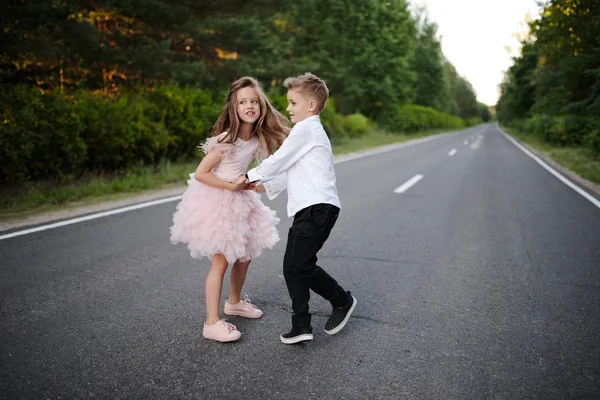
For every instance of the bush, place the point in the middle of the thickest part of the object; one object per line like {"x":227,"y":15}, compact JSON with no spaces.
{"x":186,"y":114}
{"x":473,"y":121}
{"x":53,"y":136}
{"x":576,"y":128}
{"x":333,"y":122}
{"x":117,"y":132}
{"x":566,"y":130}
{"x":414,"y":118}
{"x":40,"y":136}
{"x":592,"y":137}
{"x":556,"y":132}
{"x":540,"y":124}
{"x":356,"y":125}
{"x":279,"y":102}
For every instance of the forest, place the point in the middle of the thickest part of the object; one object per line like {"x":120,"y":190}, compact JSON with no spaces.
{"x":97,"y":86}
{"x":552,"y":90}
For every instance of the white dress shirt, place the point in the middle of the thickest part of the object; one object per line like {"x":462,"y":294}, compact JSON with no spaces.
{"x":305,"y":163}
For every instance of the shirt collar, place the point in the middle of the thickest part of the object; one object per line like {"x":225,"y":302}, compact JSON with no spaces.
{"x":311,"y":118}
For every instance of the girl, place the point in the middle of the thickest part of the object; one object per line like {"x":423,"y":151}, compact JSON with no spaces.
{"x":216,"y":217}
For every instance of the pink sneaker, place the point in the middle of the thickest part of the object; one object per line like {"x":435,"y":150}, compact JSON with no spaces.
{"x":221,"y":332}
{"x":243,"y":309}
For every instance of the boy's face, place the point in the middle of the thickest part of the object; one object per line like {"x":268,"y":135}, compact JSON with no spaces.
{"x":299,"y":106}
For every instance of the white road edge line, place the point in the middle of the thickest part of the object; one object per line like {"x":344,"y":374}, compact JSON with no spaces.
{"x":452,"y":152}
{"x":406,"y":185}
{"x":89,"y":217}
{"x":556,"y":174}
{"x":338,"y":159}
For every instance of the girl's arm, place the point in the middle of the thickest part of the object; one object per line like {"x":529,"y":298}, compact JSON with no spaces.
{"x":203,"y":173}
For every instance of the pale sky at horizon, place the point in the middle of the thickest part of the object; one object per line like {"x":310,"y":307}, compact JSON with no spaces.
{"x":475,"y":34}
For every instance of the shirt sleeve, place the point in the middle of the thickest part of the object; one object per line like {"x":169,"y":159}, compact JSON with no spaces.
{"x":294,"y":147}
{"x":275,"y":186}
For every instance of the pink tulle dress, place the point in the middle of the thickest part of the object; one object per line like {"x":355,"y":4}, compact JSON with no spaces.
{"x":218,"y":221}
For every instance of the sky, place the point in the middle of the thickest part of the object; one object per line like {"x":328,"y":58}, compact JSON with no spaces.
{"x":475,"y":35}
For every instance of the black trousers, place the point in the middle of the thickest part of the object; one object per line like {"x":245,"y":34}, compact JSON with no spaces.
{"x":309,"y":231}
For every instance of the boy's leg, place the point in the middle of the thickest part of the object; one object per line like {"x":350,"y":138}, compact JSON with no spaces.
{"x":325,"y":216}
{"x":309,"y":231}
{"x":297,"y":287}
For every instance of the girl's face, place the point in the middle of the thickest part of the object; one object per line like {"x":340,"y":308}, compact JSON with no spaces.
{"x":248,"y":106}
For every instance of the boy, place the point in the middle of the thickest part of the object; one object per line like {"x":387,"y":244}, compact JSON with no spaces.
{"x":305,"y":161}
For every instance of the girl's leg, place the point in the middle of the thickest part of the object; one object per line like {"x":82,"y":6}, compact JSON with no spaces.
{"x":233,"y":306}
{"x":236,"y":280}
{"x":214,"y":284}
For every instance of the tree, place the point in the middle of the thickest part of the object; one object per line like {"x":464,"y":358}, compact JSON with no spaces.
{"x":484,"y":112}
{"x":432,"y":84}
{"x":464,"y":101}
{"x":362,"y":48}
{"x":518,"y":88}
{"x":104,"y":44}
{"x":568,"y":42}
{"x":558,"y":71}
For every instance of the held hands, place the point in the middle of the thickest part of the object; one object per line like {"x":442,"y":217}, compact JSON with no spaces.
{"x":249,"y":185}
{"x":239,"y":184}
{"x":257,"y":187}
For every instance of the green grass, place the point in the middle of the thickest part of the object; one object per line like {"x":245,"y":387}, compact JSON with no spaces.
{"x":579,"y":160}
{"x":39,"y":197}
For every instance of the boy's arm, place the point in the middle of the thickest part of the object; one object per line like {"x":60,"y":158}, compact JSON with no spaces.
{"x":275,"y":185}
{"x":292,"y":149}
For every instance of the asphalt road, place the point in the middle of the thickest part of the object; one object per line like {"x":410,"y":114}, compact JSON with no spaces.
{"x":479,"y":281}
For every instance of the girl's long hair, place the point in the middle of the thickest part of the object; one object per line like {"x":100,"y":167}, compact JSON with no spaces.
{"x":271,"y":128}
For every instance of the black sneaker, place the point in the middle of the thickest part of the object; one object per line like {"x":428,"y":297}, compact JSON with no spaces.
{"x":339,"y":316}
{"x":297,"y":335}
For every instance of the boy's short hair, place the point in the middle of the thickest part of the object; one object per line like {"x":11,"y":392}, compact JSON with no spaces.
{"x":309,"y":85}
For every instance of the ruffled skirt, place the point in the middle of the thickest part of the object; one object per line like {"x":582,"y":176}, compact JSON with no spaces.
{"x":218,"y":221}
